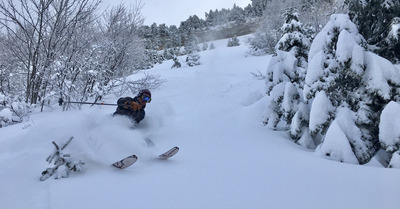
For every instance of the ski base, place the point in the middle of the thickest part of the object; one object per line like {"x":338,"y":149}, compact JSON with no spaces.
{"x":126,"y":162}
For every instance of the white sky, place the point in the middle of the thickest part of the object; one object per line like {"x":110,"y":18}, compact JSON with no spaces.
{"x":172,"y":12}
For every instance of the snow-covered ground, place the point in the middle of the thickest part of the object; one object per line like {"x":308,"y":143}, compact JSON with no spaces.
{"x":228,"y":159}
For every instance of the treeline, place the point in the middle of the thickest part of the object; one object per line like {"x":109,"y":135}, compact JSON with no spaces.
{"x":161,"y":36}
{"x":258,"y":16}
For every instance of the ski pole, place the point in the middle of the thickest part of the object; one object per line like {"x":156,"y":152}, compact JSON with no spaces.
{"x":91,"y":103}
{"x":61,"y":102}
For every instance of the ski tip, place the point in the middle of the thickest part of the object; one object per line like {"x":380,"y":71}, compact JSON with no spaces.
{"x":170,"y":153}
{"x":126,"y":162}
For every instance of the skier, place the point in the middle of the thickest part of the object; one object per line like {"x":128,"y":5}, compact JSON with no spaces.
{"x":134,"y":107}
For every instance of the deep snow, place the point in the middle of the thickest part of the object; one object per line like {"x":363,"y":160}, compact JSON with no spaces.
{"x":228,"y":159}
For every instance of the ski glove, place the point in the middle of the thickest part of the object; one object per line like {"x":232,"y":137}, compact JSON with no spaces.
{"x":134,"y":106}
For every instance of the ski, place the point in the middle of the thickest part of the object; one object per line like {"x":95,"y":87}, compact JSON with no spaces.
{"x":170,"y":153}
{"x":130,"y":160}
{"x":126,"y":162}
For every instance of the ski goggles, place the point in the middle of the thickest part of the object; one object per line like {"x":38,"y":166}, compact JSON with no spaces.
{"x":146,"y":98}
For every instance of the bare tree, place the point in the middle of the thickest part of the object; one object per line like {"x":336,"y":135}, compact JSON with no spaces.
{"x":37,"y":31}
{"x":316,"y":13}
{"x":120,"y":50}
{"x":124,"y":48}
{"x":61,"y":48}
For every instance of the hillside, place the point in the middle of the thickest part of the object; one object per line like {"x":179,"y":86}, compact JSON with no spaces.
{"x":228,"y":159}
{"x":229,"y":30}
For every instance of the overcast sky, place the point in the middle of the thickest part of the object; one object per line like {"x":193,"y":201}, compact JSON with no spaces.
{"x":172,"y":12}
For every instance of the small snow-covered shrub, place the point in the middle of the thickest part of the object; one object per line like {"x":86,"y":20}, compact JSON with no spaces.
{"x":12,"y":110}
{"x":59,"y":160}
{"x":177,"y":63}
{"x":193,"y":59}
{"x":233,"y":42}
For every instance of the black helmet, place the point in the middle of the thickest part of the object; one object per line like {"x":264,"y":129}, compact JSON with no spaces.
{"x":145,"y":98}
{"x":144,"y":91}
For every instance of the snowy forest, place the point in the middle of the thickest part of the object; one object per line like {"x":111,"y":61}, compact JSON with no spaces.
{"x":334,"y":68}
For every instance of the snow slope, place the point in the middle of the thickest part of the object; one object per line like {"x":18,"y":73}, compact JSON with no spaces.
{"x":228,"y":159}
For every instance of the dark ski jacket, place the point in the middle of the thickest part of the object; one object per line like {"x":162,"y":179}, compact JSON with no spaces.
{"x":124,"y":109}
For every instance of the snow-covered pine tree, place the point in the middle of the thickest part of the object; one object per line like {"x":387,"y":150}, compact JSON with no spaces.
{"x":212,"y":46}
{"x":285,"y":80}
{"x":191,"y":44}
{"x":192,"y":49}
{"x":193,"y":59}
{"x":151,"y":54}
{"x":204,"y":46}
{"x":376,"y":30}
{"x":176,"y":64}
{"x":236,"y":14}
{"x":210,"y":18}
{"x":357,"y":84}
{"x":294,"y":37}
{"x":267,"y":36}
{"x":233,"y":42}
{"x":258,"y":7}
{"x":167,"y":54}
{"x":175,"y":39}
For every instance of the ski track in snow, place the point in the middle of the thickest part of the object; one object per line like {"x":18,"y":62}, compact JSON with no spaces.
{"x":228,"y":159}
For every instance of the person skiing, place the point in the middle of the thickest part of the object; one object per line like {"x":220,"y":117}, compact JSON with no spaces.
{"x":134,"y":107}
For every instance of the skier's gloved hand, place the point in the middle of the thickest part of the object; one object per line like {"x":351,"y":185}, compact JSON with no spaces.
{"x":135,"y":106}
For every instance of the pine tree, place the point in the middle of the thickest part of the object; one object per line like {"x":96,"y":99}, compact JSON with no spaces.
{"x":236,"y":14}
{"x":192,"y":59}
{"x":392,"y":42}
{"x":342,"y":68}
{"x":376,"y":30}
{"x":285,"y":80}
{"x":294,"y":37}
{"x":212,"y":46}
{"x":192,"y":49}
{"x":233,"y":42}
{"x":205,"y":46}
{"x":191,"y":44}
{"x":175,"y":39}
{"x":176,"y":64}
{"x":258,"y":7}
{"x":167,"y":54}
{"x":210,"y":18}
